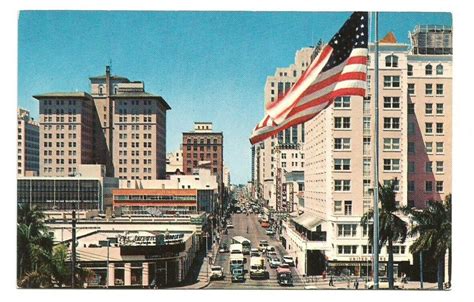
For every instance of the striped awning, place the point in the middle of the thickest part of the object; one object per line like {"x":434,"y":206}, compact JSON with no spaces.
{"x":308,"y":221}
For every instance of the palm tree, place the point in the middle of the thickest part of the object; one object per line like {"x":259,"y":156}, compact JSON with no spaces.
{"x":34,"y":248}
{"x":432,"y":225}
{"x":391,"y":227}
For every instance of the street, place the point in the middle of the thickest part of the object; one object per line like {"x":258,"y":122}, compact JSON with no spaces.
{"x":255,"y":233}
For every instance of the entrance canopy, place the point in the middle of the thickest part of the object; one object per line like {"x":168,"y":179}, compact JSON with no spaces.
{"x":308,"y":221}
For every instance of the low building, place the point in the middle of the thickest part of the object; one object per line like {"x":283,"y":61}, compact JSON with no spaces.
{"x":140,"y":252}
{"x":88,"y":190}
{"x":202,"y":181}
{"x":174,"y":163}
{"x":153,"y":201}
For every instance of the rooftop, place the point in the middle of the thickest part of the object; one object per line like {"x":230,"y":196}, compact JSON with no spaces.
{"x":78,"y":94}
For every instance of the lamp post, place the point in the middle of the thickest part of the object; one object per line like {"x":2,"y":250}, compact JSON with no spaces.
{"x":107,"y":271}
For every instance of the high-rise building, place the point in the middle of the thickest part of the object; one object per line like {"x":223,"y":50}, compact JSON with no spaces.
{"x":415,"y":131}
{"x":28,"y":144}
{"x":204,"y":149}
{"x":119,"y":125}
{"x":130,"y":127}
{"x":66,"y":131}
{"x":275,"y":87}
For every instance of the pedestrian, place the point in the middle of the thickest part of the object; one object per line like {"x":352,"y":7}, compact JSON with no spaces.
{"x":324,"y":275}
{"x":356,"y":284}
{"x":296,"y":262}
{"x":331,"y":281}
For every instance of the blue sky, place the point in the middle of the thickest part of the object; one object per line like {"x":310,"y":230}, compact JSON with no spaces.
{"x":209,"y":66}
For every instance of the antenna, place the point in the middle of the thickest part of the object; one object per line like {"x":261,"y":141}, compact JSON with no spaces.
{"x":110,"y":64}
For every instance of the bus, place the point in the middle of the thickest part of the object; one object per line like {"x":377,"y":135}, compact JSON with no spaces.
{"x":236,"y":261}
{"x":246,"y":244}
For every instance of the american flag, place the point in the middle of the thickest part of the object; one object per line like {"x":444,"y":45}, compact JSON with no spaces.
{"x":338,"y":70}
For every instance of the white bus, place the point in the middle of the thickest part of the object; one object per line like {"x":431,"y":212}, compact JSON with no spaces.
{"x":236,"y":248}
{"x":246,"y":244}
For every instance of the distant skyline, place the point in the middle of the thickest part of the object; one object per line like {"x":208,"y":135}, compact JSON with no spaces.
{"x":208,"y":66}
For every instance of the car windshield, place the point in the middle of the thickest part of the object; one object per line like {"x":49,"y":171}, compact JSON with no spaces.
{"x":216,"y":268}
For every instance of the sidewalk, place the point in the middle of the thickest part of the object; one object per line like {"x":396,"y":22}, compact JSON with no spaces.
{"x":319,"y":283}
{"x":203,"y":277}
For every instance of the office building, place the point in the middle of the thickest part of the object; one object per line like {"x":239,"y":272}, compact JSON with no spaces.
{"x":27,"y":144}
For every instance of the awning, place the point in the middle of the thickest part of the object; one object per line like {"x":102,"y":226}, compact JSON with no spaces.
{"x":308,"y":221}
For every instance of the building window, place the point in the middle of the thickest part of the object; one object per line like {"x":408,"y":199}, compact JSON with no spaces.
{"x":411,"y":108}
{"x":439,"y":89}
{"x":428,"y":108}
{"x":428,"y":166}
{"x":429,"y":147}
{"x":342,"y":164}
{"x":391,"y":61}
{"x":411,"y":88}
{"x":337,"y":206}
{"x":347,"y":249}
{"x":342,"y":143}
{"x":440,"y":147}
{"x":428,"y":69}
{"x":439,"y":166}
{"x":428,"y":186}
{"x":347,"y":230}
{"x":440,"y":109}
{"x":391,"y":81}
{"x":342,"y":102}
{"x":411,"y":167}
{"x":391,"y":165}
{"x":428,"y":128}
{"x":391,"y":144}
{"x":439,"y":186}
{"x":391,"y":102}
{"x":411,"y":128}
{"x":347,"y":207}
{"x":428,"y":89}
{"x":439,"y":69}
{"x":366,"y":121}
{"x":366,"y":249}
{"x":391,"y":123}
{"x":411,"y":147}
{"x":409,"y":70}
{"x":439,"y":128}
{"x":342,"y":122}
{"x":342,"y":185}
{"x":411,"y":186}
{"x":394,"y":182}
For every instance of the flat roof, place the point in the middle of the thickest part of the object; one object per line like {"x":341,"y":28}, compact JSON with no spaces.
{"x":142,"y":95}
{"x":79,"y":94}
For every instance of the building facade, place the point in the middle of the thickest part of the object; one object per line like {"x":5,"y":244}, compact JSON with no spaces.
{"x":415,"y":131}
{"x":174,"y":163}
{"x":28,"y":144}
{"x":66,"y":132}
{"x":119,"y":125}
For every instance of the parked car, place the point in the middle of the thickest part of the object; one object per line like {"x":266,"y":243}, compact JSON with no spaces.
{"x":288,"y":260}
{"x":223,"y":248}
{"x":217,"y":272}
{"x":274,"y":262}
{"x":383,"y":284}
{"x":270,"y":232}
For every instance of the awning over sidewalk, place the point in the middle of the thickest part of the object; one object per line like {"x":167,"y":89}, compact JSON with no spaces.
{"x":308,"y":221}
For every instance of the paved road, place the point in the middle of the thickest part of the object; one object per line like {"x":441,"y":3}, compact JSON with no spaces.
{"x":255,"y":234}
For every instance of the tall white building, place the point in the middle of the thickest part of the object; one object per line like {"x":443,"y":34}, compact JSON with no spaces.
{"x":414,"y":117}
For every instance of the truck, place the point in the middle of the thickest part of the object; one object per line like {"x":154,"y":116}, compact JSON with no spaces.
{"x":258,"y":269}
{"x":284,"y":276}
{"x":246,"y":244}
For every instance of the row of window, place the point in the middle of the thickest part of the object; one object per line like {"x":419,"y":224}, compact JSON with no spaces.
{"x":135,"y":153}
{"x":439,"y":186}
{"x":59,"y":161}
{"x":392,"y":61}
{"x":134,"y":144}
{"x":59,"y":102}
{"x":59,"y":144}
{"x":134,"y":161}
{"x":135,"y":127}
{"x":59,"y":170}
{"x":366,"y":249}
{"x":134,"y":170}
{"x":201,"y":141}
{"x":135,"y":135}
{"x":201,"y":148}
{"x":58,"y":127}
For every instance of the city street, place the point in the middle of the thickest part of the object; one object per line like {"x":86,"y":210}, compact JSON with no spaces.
{"x":255,"y":234}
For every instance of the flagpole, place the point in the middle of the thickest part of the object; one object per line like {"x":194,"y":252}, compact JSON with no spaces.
{"x":375,"y":245}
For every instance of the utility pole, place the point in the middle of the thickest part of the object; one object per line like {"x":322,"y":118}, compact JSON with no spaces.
{"x":73,"y":248}
{"x":376,"y":158}
{"x":107,"y":271}
{"x":421,"y":269}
